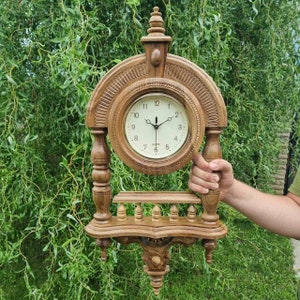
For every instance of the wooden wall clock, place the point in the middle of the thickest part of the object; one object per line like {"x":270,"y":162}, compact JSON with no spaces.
{"x":156,"y":108}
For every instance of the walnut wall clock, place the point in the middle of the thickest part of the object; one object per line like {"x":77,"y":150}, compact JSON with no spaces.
{"x":155,"y":108}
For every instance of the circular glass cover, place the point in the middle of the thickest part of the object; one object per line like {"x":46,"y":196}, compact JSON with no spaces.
{"x":156,"y":125}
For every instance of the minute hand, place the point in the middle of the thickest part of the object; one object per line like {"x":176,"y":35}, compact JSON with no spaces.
{"x":169,"y":119}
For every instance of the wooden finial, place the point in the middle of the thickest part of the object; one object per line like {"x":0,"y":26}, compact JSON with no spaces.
{"x":156,"y":31}
{"x":156,"y":23}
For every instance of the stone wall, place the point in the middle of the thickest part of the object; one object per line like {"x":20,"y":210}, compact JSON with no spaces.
{"x":280,"y":176}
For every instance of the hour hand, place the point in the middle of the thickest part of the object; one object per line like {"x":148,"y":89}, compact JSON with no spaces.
{"x":149,"y":122}
{"x":154,"y":125}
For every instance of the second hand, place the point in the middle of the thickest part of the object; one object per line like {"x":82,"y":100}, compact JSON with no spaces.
{"x":156,"y":127}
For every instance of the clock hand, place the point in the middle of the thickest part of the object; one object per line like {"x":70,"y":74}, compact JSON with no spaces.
{"x":156,"y":126}
{"x":156,"y":143}
{"x":168,"y":119}
{"x":149,"y":122}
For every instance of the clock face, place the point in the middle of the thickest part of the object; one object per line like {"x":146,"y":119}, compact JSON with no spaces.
{"x":156,"y":125}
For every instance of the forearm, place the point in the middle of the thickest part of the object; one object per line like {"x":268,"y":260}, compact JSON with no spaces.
{"x":279,"y":214}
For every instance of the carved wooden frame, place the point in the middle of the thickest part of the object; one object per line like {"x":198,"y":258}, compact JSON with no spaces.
{"x":116,"y":122}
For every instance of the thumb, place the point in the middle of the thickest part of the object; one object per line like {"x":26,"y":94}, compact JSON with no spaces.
{"x":220,"y":165}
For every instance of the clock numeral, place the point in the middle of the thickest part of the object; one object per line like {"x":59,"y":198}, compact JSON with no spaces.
{"x":145,"y":106}
{"x":176,"y":138}
{"x":167,"y":147}
{"x":136,"y":138}
{"x":132,"y":126}
{"x":176,"y":114}
{"x":136,"y":115}
{"x":180,"y":127}
{"x":156,"y":102}
{"x":145,"y":146}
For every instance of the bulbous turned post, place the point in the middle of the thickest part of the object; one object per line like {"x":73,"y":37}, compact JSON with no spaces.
{"x":156,"y":45}
{"x":103,"y":244}
{"x":210,"y":201}
{"x":209,"y":246}
{"x":100,"y":157}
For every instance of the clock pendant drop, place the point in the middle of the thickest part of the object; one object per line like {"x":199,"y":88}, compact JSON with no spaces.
{"x":156,"y":125}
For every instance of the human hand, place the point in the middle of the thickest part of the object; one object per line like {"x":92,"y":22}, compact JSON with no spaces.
{"x":205,"y":176}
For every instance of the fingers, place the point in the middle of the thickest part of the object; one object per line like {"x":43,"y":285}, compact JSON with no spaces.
{"x":207,"y":176}
{"x":202,"y":178}
{"x":201,"y":181}
{"x":202,"y":188}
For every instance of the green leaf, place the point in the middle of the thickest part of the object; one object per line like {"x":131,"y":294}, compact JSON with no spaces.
{"x":10,"y":80}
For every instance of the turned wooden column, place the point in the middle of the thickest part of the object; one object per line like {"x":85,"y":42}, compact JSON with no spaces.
{"x":100,"y":157}
{"x":210,"y":201}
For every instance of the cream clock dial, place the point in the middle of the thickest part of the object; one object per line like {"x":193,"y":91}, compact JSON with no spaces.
{"x":156,"y":125}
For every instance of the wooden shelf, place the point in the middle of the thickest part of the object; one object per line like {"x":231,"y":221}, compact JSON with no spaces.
{"x":156,"y":229}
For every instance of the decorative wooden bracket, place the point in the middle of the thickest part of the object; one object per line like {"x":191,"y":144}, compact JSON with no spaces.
{"x":156,"y":255}
{"x":155,"y":71}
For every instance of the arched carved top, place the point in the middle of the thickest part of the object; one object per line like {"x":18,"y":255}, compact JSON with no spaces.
{"x":178,"y":69}
{"x":201,"y":85}
{"x":120,"y":76}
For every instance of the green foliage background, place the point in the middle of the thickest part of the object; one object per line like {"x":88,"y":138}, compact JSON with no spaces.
{"x":52,"y":54}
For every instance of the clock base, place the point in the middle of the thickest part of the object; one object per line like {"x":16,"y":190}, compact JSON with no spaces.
{"x":156,"y":233}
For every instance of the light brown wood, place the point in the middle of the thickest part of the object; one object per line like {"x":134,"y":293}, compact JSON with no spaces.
{"x":128,"y":226}
{"x":210,"y":201}
{"x":156,"y":197}
{"x":100,"y":157}
{"x":177,"y":69}
{"x":155,"y":71}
